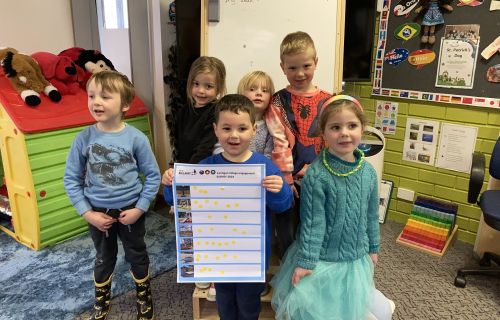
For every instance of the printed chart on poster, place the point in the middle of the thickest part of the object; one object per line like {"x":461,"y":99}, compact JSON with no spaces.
{"x":453,"y":58}
{"x":220,"y":223}
{"x":420,"y":143}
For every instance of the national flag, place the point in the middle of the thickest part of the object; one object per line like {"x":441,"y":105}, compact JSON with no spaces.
{"x":384,"y":14}
{"x":404,"y":94}
{"x":414,"y":95}
{"x":379,"y":63}
{"x":425,"y":96}
{"x":395,"y":93}
{"x":445,"y":99}
{"x":376,"y":90}
{"x":386,"y":92}
{"x":456,"y":99}
{"x":467,"y":100}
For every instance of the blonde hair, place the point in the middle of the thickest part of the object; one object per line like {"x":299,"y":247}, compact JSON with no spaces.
{"x":256,"y":77}
{"x":113,"y":81}
{"x":338,"y":105}
{"x":296,"y":42}
{"x":211,"y":65}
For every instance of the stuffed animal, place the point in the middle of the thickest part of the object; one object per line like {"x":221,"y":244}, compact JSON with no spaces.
{"x":60,"y":71}
{"x":90,"y":61}
{"x":26,"y":77}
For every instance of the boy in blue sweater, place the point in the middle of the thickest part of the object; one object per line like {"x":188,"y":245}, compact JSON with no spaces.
{"x":235,"y":128}
{"x":103,"y":183}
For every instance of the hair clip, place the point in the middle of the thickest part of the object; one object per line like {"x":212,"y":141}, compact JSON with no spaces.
{"x":343,"y":97}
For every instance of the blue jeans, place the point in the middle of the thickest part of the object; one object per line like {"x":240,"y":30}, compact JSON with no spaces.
{"x":238,"y":301}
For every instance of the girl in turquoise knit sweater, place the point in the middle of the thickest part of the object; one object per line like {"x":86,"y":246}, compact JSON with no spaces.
{"x":328,"y":271}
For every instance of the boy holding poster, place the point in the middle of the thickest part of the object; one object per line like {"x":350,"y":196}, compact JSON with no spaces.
{"x":235,"y":127}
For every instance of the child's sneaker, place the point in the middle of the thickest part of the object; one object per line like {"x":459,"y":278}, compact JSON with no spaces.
{"x":202,"y":285}
{"x":211,"y":293}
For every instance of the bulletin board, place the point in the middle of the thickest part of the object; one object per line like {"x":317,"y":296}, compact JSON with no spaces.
{"x":248,"y":34}
{"x":410,"y":81}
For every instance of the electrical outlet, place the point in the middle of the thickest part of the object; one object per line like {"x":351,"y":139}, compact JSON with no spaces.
{"x":406,"y":194}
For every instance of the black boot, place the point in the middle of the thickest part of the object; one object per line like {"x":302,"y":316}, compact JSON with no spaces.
{"x":144,"y":302}
{"x":102,"y":300}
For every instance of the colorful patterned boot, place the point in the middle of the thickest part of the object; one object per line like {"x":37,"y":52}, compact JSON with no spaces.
{"x":144,"y":302}
{"x":102,"y":300}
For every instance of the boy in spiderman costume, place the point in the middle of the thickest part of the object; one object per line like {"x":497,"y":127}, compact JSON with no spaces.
{"x":292,"y":119}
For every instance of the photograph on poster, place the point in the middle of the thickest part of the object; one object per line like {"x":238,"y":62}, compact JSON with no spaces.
{"x":420,"y":140}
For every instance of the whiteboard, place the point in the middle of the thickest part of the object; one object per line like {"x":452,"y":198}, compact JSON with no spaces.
{"x":249,"y":33}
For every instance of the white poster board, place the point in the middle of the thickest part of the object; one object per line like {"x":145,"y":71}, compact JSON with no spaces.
{"x":220,"y":222}
{"x":249,"y":32}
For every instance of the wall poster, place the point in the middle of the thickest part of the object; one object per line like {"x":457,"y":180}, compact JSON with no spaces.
{"x":220,"y":223}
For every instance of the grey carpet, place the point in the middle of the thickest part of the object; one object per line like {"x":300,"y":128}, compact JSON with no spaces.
{"x":420,"y":284}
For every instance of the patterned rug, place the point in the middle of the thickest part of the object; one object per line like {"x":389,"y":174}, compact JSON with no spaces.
{"x":56,"y":282}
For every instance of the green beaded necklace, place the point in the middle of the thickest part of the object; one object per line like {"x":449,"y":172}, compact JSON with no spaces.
{"x":362,"y":158}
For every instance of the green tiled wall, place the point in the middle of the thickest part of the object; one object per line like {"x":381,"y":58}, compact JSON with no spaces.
{"x":428,"y":180}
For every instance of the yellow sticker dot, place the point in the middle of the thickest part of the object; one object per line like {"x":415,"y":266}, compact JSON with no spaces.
{"x":226,"y":243}
{"x":243,"y":232}
{"x":200,"y":230}
{"x":217,"y":258}
{"x":228,"y":205}
{"x":198,"y":255}
{"x":233,"y":242}
{"x":206,"y":256}
{"x":198,"y":243}
{"x":213,"y":243}
{"x":221,"y":188}
{"x":226,"y":216}
{"x":200,"y":206}
{"x":212,"y":229}
{"x":210,"y":269}
{"x":235,"y":229}
{"x":236,"y":205}
{"x":219,"y":244}
{"x":235,"y":257}
{"x":210,"y":216}
{"x":197,"y":259}
{"x":207,"y":243}
{"x":207,"y":201}
{"x":195,"y":201}
{"x":225,"y":255}
{"x":216,"y":203}
{"x":221,"y":272}
{"x":195,"y":188}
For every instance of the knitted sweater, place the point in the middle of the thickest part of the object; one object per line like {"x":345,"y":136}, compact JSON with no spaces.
{"x":292,"y":118}
{"x":263,"y":141}
{"x":194,"y":133}
{"x":339,"y":215}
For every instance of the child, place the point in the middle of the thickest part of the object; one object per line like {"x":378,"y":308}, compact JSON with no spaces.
{"x":291,"y":120}
{"x":328,"y":271}
{"x":103,"y":183}
{"x":258,"y":87}
{"x":193,"y":135}
{"x":235,"y":127}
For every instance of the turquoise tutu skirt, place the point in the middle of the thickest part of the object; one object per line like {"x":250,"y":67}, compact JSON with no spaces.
{"x":334,"y":290}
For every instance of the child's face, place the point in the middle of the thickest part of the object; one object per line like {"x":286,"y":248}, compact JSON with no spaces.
{"x":259,"y":95}
{"x":106,"y":107}
{"x":299,"y":70}
{"x":342,"y":134}
{"x":204,"y":89}
{"x":235,"y":131}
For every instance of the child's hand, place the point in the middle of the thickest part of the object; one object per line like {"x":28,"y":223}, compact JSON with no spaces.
{"x":168,"y":177}
{"x":100,"y":220}
{"x":298,"y":274}
{"x":273,"y":183}
{"x":374,"y":257}
{"x":130,"y":216}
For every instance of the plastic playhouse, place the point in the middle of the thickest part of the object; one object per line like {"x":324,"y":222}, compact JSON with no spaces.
{"x":34,"y":142}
